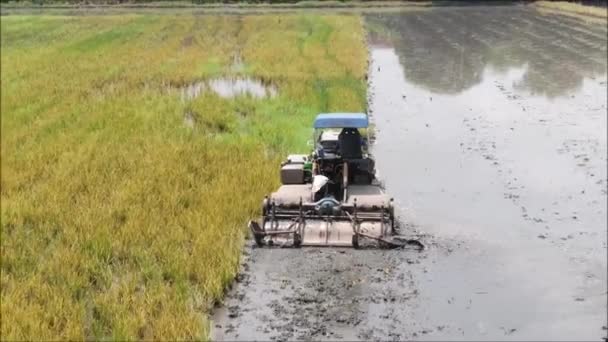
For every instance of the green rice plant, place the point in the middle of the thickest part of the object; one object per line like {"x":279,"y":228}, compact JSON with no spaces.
{"x":124,"y":202}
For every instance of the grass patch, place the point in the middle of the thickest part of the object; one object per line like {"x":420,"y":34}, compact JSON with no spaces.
{"x":118,"y":220}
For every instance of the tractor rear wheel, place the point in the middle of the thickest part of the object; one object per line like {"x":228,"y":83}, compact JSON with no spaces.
{"x":355,"y":241}
{"x":297,"y":240}
{"x":259,"y":240}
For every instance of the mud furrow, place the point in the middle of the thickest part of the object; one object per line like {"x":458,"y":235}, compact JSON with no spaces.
{"x":568,"y":23}
{"x":593,"y":46}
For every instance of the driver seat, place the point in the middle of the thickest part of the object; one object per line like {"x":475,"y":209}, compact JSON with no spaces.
{"x":349,"y":144}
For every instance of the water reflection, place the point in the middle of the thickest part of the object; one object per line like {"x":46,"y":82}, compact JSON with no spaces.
{"x":446,"y":50}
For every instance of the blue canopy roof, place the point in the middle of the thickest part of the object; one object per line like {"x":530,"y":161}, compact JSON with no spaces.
{"x":341,"y":120}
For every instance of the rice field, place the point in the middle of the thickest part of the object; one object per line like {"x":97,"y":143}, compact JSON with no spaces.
{"x":124,"y":196}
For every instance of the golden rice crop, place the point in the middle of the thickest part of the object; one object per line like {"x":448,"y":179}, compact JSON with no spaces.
{"x":118,"y":219}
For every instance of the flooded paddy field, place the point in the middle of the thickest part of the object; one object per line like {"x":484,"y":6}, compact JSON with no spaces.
{"x":491,"y":136}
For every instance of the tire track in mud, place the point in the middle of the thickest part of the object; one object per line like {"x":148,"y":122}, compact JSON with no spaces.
{"x":551,"y":41}
{"x":319,"y":293}
{"x":567,"y":43}
{"x":565,"y":22}
{"x":534,"y":45}
{"x":552,"y":29}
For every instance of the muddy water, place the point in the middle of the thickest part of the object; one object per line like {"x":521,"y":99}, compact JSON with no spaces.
{"x":492,"y":138}
{"x":229,"y":87}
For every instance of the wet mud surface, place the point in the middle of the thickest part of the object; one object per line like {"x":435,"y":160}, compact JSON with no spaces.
{"x":491,"y":137}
